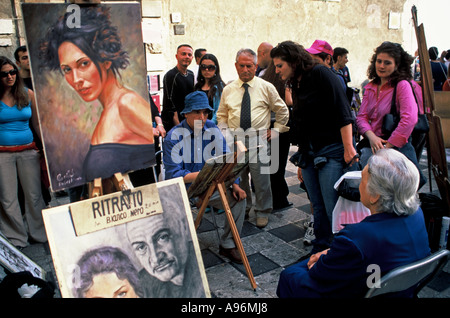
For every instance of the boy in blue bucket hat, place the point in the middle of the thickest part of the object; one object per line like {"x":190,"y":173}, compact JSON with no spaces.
{"x":186,"y":148}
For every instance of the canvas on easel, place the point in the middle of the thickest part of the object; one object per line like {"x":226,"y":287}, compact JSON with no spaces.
{"x":213,"y":167}
{"x":89,"y":77}
{"x":218,"y":174}
{"x":437,"y":161}
{"x":148,"y":246}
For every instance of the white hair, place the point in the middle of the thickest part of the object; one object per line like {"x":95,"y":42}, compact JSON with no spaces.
{"x":396,"y":179}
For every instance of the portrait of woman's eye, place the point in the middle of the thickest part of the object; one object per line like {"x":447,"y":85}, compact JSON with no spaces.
{"x":84,"y":63}
{"x":122,"y":294}
{"x":65,"y":69}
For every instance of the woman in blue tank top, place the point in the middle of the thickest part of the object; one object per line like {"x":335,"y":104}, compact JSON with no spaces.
{"x":19,"y":160}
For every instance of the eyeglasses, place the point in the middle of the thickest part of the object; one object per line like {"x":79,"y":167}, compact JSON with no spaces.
{"x":11,"y":72}
{"x":208,"y":67}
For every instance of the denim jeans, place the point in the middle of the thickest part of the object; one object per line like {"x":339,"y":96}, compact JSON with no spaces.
{"x":319,"y":182}
{"x":23,"y":166}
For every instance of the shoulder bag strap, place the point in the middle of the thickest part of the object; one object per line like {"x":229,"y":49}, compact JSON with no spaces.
{"x":394,"y":108}
{"x":415,"y":97}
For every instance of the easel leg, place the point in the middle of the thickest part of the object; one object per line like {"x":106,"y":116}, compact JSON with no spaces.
{"x":204,"y":204}
{"x":118,"y":182}
{"x":234,"y":231}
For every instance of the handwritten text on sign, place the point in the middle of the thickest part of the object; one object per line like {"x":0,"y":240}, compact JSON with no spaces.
{"x":114,"y":209}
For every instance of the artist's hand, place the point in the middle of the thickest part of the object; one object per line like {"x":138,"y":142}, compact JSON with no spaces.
{"x":190,"y":177}
{"x":315,"y":257}
{"x":238,"y":193}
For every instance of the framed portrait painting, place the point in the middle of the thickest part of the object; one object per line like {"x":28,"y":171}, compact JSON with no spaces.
{"x":89,"y":77}
{"x":153,"y":256}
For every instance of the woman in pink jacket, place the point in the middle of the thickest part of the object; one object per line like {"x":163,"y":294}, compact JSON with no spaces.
{"x":390,"y":67}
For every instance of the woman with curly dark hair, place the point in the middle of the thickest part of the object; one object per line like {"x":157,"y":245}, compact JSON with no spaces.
{"x":90,"y":58}
{"x":390,"y":67}
{"x":321,"y":127}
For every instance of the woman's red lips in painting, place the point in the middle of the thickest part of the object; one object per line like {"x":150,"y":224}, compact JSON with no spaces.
{"x":84,"y":91}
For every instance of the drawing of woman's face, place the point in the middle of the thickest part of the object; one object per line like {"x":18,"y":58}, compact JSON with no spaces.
{"x":81,"y":72}
{"x":108,"y":285}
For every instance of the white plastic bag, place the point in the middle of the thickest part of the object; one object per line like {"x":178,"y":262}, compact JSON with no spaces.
{"x":347,"y":211}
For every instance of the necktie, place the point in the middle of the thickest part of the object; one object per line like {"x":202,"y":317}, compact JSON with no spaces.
{"x":246,"y":119}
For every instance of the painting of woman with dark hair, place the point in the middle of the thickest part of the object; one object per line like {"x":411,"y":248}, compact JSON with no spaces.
{"x":91,"y":57}
{"x":106,"y":272}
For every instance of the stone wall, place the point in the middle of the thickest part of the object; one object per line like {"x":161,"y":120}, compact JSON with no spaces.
{"x":8,"y":29}
{"x":223,"y":27}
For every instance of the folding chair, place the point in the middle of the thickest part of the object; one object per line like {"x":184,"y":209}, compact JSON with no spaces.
{"x":418,"y":274}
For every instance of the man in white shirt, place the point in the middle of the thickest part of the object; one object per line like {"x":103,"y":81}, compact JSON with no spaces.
{"x":264,"y":99}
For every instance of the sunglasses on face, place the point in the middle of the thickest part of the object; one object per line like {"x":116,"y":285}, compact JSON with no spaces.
{"x":208,"y":67}
{"x":5,"y":74}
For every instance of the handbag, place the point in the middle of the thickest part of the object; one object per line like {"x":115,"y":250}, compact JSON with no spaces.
{"x":391,"y":120}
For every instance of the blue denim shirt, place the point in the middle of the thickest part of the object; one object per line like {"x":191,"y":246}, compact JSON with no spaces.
{"x":185,"y":152}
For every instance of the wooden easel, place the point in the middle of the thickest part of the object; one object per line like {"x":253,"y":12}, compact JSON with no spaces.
{"x":219,"y":184}
{"x":121,"y":183}
{"x":437,"y":161}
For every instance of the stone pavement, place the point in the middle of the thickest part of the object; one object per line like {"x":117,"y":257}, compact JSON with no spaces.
{"x":269,"y":250}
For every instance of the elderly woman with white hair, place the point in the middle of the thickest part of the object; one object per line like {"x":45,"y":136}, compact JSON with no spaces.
{"x":393,"y":235}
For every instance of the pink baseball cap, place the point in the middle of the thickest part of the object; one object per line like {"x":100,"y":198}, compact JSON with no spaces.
{"x":320,"y":46}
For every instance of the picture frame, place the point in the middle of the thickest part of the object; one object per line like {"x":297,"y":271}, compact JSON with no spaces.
{"x":85,"y":133}
{"x":178,"y":273}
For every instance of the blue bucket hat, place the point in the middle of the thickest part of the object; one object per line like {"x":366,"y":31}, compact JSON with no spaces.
{"x":196,"y":101}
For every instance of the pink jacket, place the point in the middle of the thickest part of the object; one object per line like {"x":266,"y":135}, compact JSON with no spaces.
{"x":373,"y":109}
